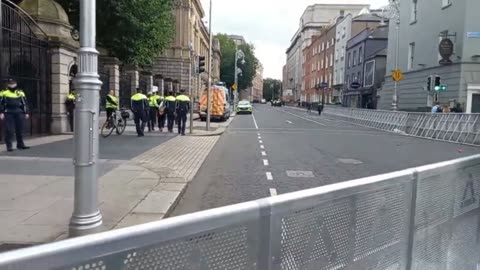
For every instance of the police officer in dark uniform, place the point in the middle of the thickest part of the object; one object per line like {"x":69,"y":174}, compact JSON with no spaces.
{"x":139,"y":107}
{"x":170,"y":108}
{"x":13,"y":110}
{"x":183,"y":107}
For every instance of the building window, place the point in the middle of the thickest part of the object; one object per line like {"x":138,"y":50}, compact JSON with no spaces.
{"x":321,"y":63}
{"x":359,"y":78}
{"x":369,"y":73}
{"x":411,"y":55}
{"x":360,"y":55}
{"x":323,"y":46}
{"x":446,"y":3}
{"x":354,"y":58}
{"x":347,"y":81}
{"x":331,"y":59}
{"x":349,"y":61}
{"x":328,"y":44}
{"x":413,"y":14}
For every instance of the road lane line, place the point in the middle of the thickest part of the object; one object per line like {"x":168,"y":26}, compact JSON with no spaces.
{"x":301,"y":117}
{"x":273,"y":192}
{"x":264,"y":153}
{"x":269,"y":176}
{"x":290,"y":122}
{"x":265,"y":162}
{"x":254,"y":121}
{"x":261,"y":146}
{"x":259,"y":137}
{"x":258,"y":134}
{"x":260,"y":141}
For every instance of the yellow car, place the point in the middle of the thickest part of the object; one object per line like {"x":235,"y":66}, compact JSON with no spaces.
{"x":244,"y":106}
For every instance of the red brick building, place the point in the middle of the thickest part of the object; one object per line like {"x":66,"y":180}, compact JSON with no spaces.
{"x":318,"y":68}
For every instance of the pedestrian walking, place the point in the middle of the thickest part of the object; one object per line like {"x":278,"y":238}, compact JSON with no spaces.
{"x":13,"y":110}
{"x":153,"y":110}
{"x":111,"y":103}
{"x":139,"y":107}
{"x":183,"y":108}
{"x":170,"y":108}
{"x":70,"y":106}
{"x":320,"y":108}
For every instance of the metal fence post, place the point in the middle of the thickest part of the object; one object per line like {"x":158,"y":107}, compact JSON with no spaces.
{"x":86,"y":217}
{"x":411,"y":225}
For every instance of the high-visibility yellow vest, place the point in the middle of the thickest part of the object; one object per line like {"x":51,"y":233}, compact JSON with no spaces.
{"x":110,"y":105}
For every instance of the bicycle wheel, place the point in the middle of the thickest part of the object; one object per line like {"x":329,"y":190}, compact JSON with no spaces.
{"x":121,"y":125}
{"x":107,"y":129}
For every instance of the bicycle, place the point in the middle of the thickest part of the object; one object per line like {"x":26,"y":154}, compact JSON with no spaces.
{"x":115,"y":123}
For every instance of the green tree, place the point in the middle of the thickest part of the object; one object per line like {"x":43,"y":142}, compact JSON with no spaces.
{"x":135,"y":31}
{"x":227,"y":66}
{"x":272,"y":88}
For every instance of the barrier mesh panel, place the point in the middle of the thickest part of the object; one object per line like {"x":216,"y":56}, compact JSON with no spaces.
{"x":367,"y":229}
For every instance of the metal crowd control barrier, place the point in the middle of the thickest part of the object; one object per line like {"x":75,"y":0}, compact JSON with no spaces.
{"x":422,"y":218}
{"x":450,"y":127}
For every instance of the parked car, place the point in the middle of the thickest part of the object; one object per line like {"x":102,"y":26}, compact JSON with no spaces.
{"x":244,"y":106}
{"x":264,"y":101}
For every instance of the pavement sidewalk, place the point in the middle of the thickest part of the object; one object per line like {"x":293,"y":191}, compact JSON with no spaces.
{"x":36,"y":208}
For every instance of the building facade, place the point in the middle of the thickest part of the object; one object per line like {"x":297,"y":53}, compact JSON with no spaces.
{"x":365,"y":67}
{"x":190,"y":33}
{"x":423,"y":24}
{"x":314,"y":19}
{"x":256,"y":91}
{"x":347,"y":27}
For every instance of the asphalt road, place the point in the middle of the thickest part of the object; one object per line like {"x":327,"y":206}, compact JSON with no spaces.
{"x":280,"y":150}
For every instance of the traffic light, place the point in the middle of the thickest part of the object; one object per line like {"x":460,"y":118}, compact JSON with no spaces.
{"x":438,"y":82}
{"x":429,"y":83}
{"x":201,"y":64}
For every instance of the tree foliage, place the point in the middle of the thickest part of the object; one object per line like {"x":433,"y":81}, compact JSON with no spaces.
{"x":132,"y":30}
{"x":227,"y":66}
{"x":272,"y":88}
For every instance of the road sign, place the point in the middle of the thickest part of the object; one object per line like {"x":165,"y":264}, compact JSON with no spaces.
{"x":473,"y":34}
{"x":323,"y":85}
{"x":397,"y":75}
{"x":355,"y":85}
{"x":234,"y":87}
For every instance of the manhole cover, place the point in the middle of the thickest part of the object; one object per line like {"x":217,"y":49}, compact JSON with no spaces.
{"x":349,"y":161}
{"x":300,"y":174}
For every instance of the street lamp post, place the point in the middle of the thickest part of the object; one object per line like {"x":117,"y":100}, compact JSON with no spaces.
{"x":238,"y":55}
{"x":393,"y":13}
{"x":209,"y":68}
{"x":86,"y":217}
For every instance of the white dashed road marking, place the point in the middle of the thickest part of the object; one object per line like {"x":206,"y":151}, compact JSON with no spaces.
{"x":258,"y":134}
{"x":265,"y":162}
{"x":254,"y":121}
{"x":269,"y":176}
{"x":260,"y":141}
{"x":301,"y":117}
{"x":261,"y":146}
{"x":273,"y":192}
{"x":264,"y":153}
{"x":290,"y":122}
{"x":259,"y":137}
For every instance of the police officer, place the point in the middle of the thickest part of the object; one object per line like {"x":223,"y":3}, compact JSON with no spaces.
{"x":139,"y":107}
{"x":170,"y":108}
{"x":111,"y":103}
{"x":183,"y":107}
{"x":153,"y":105}
{"x":13,"y":109}
{"x":70,"y":106}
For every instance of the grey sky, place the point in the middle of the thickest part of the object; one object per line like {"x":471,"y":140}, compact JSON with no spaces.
{"x":268,"y":24}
